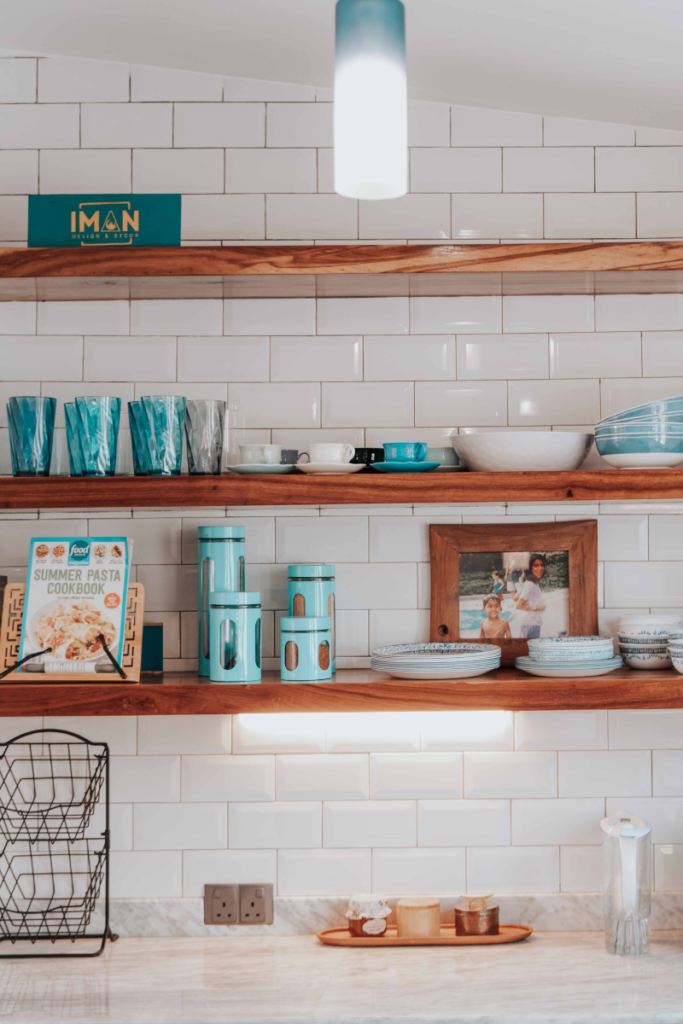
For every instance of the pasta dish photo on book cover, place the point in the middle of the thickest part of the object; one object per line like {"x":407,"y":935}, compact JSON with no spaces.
{"x":76,"y":591}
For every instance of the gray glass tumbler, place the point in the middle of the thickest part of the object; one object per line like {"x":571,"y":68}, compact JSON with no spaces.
{"x":204,"y":425}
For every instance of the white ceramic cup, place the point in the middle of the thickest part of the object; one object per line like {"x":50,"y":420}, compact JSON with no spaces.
{"x":443,"y":455}
{"x":329,"y":452}
{"x":260,"y":454}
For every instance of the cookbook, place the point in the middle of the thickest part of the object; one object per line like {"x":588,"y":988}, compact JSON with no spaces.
{"x":75,"y":598}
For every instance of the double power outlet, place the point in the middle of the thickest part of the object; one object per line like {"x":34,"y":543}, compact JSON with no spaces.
{"x":238,"y":904}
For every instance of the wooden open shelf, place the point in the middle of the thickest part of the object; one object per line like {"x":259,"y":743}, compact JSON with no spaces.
{"x":111,"y":272}
{"x":351,"y":690}
{"x":355,"y":489}
{"x":354,"y":258}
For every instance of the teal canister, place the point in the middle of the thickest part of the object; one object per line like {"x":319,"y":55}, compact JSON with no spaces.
{"x":235,"y":636}
{"x":305,"y":649}
{"x":221,"y":567}
{"x":310,"y":592}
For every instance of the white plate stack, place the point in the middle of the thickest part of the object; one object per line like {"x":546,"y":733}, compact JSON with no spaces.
{"x":436,"y":661}
{"x":566,"y":657}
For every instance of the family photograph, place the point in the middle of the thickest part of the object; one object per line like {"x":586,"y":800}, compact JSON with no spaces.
{"x":507,"y":595}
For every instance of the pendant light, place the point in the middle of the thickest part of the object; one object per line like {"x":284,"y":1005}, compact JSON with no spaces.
{"x":370,"y":100}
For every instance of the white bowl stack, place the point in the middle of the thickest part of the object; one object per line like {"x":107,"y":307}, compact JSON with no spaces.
{"x":436,"y":661}
{"x":676,"y":649}
{"x":563,"y":657}
{"x":644,"y":640}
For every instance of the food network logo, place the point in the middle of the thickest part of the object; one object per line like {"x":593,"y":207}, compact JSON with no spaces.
{"x":79,"y":552}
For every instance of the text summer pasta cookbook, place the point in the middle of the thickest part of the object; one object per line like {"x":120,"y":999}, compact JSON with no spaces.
{"x":76,"y":591}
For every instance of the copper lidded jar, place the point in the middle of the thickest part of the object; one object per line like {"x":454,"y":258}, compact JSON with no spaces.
{"x":476,"y":916}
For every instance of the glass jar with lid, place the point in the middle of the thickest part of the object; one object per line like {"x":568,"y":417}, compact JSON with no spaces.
{"x":221,"y":567}
{"x":367,"y":915}
{"x":310,"y":592}
{"x":305,"y":649}
{"x":235,"y":637}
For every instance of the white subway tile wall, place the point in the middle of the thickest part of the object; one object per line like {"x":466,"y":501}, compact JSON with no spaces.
{"x":332,"y":804}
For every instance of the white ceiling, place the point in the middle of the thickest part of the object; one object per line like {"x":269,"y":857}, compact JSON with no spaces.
{"x":612,"y":60}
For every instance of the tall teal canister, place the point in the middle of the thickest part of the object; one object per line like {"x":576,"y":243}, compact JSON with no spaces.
{"x":310,"y":592}
{"x":235,"y":636}
{"x":305,"y":648}
{"x":221,"y":566}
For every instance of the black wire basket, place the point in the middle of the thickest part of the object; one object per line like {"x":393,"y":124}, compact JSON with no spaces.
{"x":49,"y":890}
{"x":54,"y":854}
{"x":49,"y":790}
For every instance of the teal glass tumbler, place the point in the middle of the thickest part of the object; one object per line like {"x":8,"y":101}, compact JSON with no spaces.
{"x":235,"y":637}
{"x":98,"y":419}
{"x":73,"y":439}
{"x":138,"y":439}
{"x":31,"y":422}
{"x":305,"y":649}
{"x":164,"y":417}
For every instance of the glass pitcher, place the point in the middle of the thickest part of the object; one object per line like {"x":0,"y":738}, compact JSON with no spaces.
{"x":627,"y":882}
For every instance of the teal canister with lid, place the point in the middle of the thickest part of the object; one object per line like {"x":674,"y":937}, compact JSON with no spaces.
{"x":310,"y":592}
{"x":220,"y":567}
{"x":235,"y":637}
{"x":305,"y":648}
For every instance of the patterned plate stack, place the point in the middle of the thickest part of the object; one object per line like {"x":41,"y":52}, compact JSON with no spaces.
{"x":570,"y":656}
{"x":436,"y":661}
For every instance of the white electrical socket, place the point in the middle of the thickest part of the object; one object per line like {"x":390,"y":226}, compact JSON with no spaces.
{"x":256,"y":904}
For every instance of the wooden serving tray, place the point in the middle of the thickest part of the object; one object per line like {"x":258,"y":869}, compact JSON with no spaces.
{"x":508,"y":933}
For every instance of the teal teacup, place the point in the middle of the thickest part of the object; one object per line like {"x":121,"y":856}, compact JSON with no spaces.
{"x":405,"y":451}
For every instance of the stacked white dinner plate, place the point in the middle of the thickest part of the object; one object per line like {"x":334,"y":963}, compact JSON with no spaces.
{"x":436,"y":661}
{"x":565,"y":657}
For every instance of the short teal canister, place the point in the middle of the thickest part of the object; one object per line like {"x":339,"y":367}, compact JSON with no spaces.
{"x":235,"y":637}
{"x":221,"y":567}
{"x":305,"y":649}
{"x":310,"y":592}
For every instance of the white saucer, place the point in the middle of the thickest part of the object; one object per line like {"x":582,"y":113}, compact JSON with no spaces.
{"x":330,"y":468}
{"x":261,"y":468}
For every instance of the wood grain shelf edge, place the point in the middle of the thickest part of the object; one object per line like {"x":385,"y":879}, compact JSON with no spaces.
{"x":351,"y":690}
{"x":538,"y":257}
{"x":356,"y":489}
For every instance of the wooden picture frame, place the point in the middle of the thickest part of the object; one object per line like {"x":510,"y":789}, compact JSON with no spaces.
{"x":447,"y":543}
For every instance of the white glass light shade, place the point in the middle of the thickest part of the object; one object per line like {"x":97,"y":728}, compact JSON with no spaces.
{"x":370,"y":100}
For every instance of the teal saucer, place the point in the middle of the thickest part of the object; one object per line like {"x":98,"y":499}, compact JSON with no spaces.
{"x":405,"y":467}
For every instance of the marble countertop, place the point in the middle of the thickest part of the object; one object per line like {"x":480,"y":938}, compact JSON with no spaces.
{"x":551,"y":978}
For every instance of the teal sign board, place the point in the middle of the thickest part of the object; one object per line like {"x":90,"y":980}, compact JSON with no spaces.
{"x":96,"y":220}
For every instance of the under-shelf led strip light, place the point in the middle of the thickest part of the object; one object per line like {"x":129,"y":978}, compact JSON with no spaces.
{"x":370,"y":100}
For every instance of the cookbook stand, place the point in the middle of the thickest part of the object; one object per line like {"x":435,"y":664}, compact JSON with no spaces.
{"x":130,"y":653}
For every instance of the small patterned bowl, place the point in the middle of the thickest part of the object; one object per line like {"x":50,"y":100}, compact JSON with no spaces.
{"x":643,"y":658}
{"x":678,"y":663}
{"x":645,"y":641}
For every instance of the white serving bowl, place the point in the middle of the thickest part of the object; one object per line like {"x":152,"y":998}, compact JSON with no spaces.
{"x":677,"y":664}
{"x":516,"y":451}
